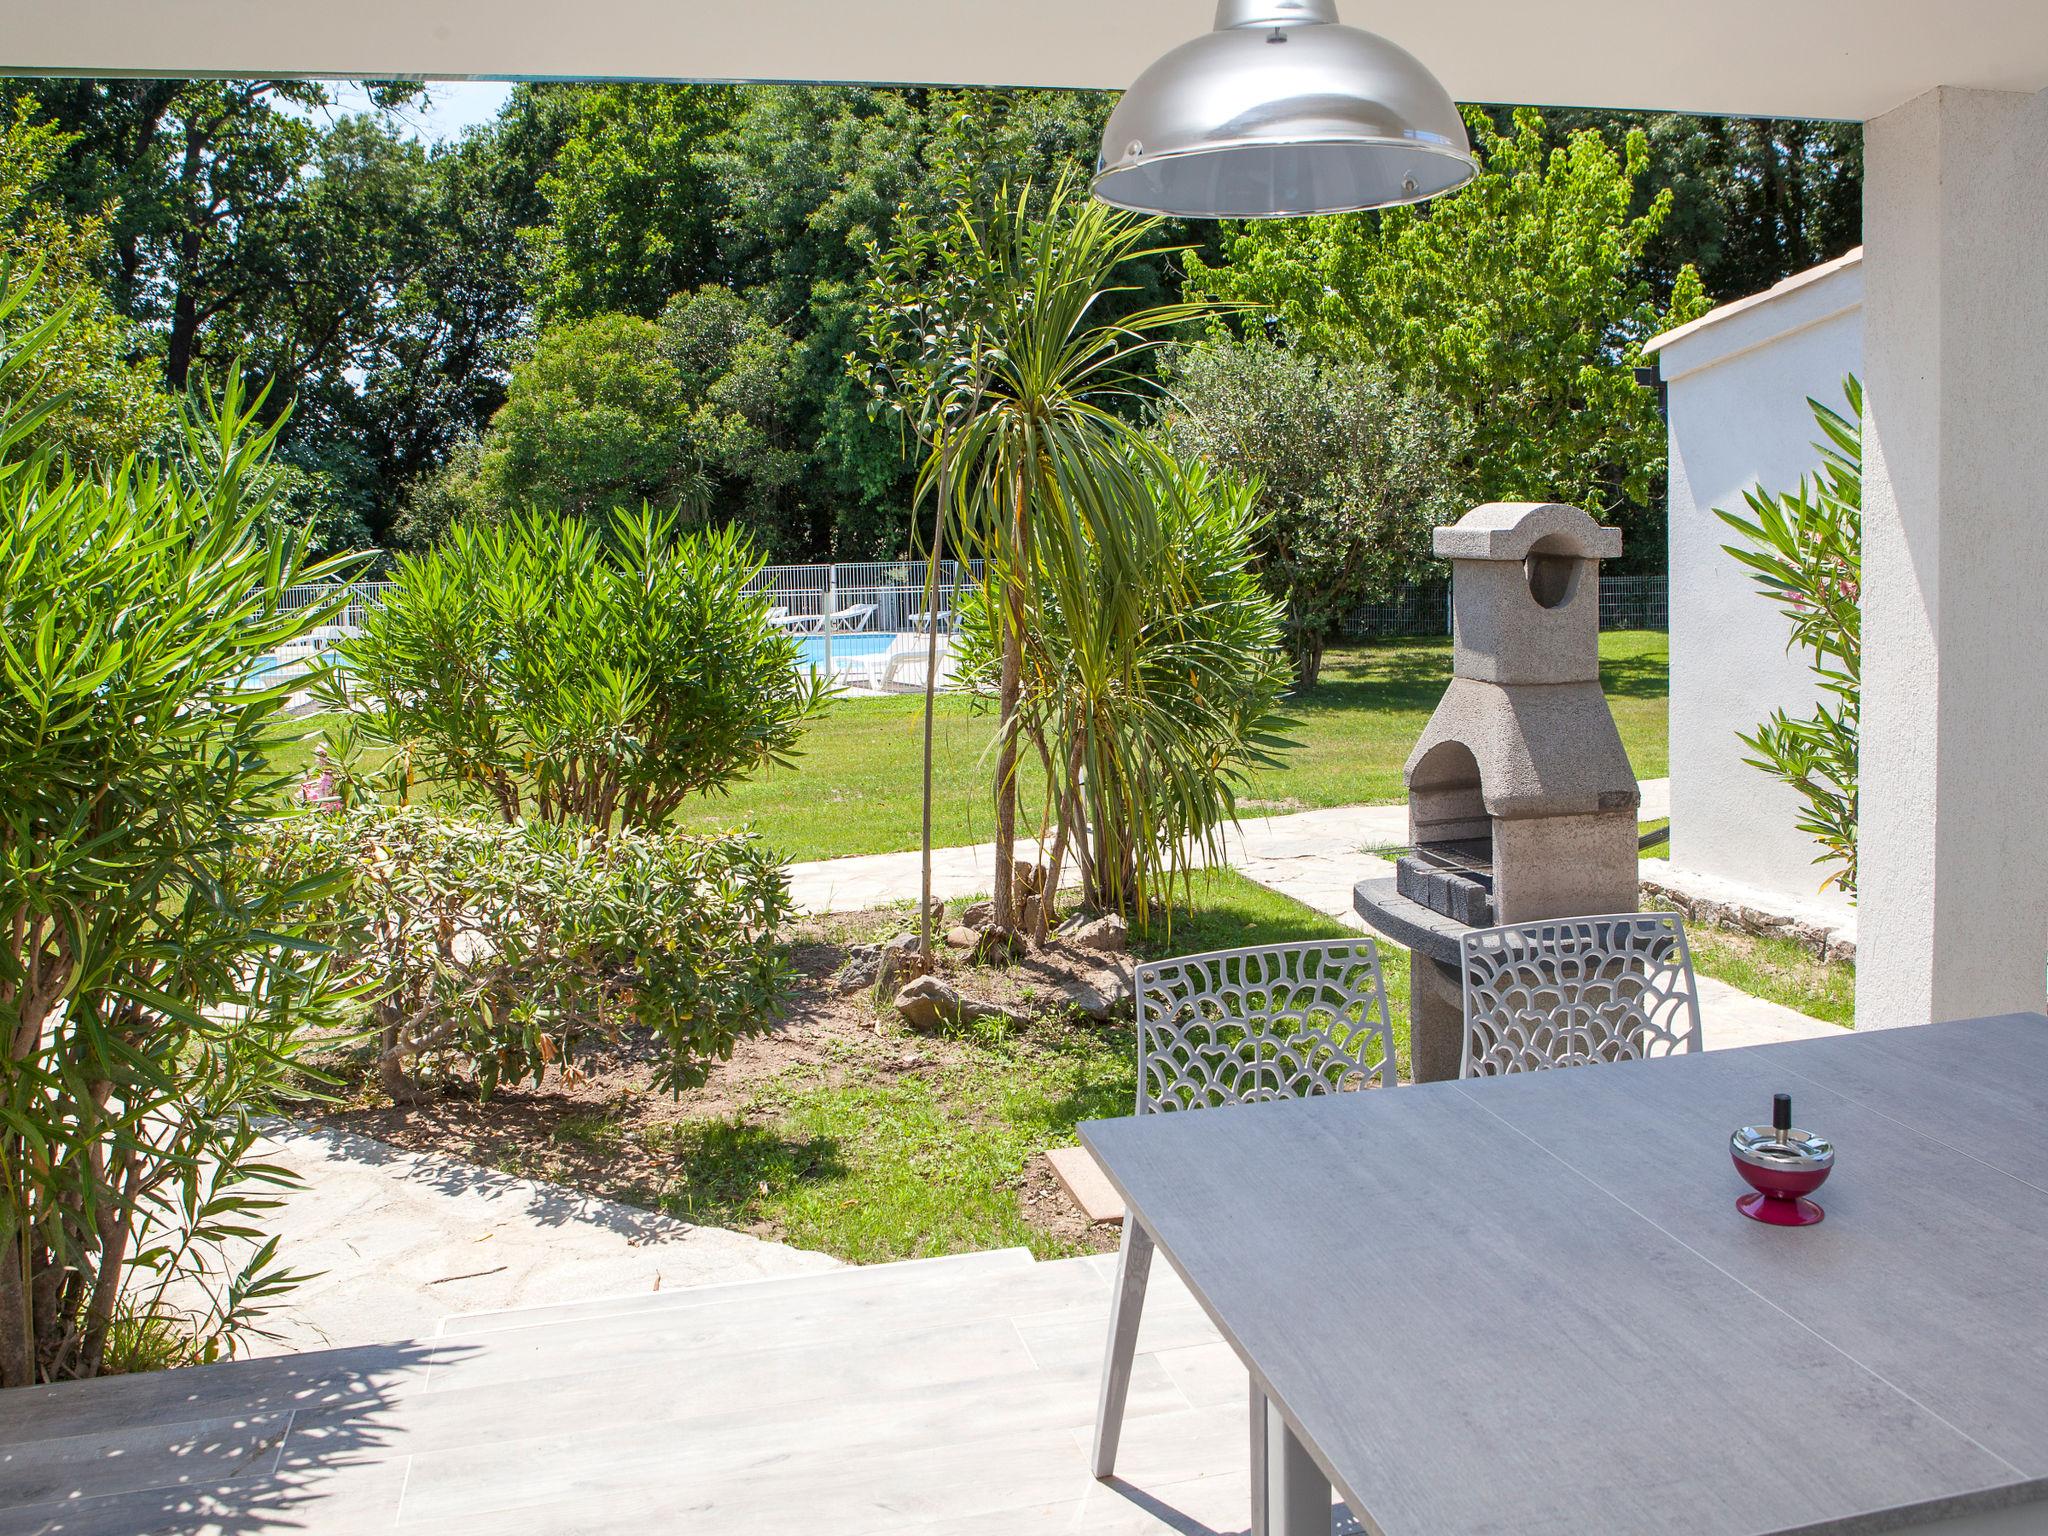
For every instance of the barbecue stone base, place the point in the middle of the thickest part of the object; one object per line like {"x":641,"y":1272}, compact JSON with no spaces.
{"x":1436,"y":1019}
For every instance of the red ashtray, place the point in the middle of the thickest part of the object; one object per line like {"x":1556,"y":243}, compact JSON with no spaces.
{"x":1783,"y":1165}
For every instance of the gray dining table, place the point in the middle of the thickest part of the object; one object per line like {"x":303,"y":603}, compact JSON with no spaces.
{"x":1528,"y":1304}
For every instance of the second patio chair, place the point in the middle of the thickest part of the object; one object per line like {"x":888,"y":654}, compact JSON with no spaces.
{"x":1569,"y":991}
{"x":1231,"y":1027}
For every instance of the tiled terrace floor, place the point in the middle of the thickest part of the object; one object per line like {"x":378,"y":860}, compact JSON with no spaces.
{"x":945,"y":1395}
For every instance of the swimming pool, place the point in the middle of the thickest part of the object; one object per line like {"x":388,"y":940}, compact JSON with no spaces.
{"x":810,"y":653}
{"x":845,"y":648}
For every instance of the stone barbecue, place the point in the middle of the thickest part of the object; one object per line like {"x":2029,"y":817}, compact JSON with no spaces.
{"x":1521,"y":801}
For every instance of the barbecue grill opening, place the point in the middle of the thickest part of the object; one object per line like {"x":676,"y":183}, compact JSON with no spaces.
{"x":1552,"y":570}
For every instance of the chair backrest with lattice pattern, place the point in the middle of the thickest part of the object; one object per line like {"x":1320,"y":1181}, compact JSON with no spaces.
{"x":1278,"y":1022}
{"x":1569,"y":991}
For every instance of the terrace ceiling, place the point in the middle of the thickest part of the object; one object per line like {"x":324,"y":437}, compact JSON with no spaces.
{"x":1809,"y":58}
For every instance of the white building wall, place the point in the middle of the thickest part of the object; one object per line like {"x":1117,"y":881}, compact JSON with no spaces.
{"x":1739,"y":380}
{"x":1954,"y":855}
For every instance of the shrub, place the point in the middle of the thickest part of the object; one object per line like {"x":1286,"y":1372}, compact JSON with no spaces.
{"x":573,"y":672}
{"x":1804,"y":551}
{"x":502,"y":948}
{"x":154,"y":983}
{"x":1151,"y":683}
{"x":1353,"y":473}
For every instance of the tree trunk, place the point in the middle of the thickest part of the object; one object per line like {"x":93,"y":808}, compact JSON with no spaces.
{"x":1005,"y":895}
{"x":392,"y":1077}
{"x":183,"y":341}
{"x":931,"y":695}
{"x":17,"y":1329}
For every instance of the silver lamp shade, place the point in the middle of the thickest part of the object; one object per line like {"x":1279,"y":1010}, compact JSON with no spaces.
{"x":1280,"y":112}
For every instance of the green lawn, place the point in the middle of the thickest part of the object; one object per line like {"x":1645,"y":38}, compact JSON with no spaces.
{"x":856,"y":788}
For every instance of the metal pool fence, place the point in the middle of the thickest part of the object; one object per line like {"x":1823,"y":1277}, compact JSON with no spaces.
{"x":1626,"y":602}
{"x":843,"y":611}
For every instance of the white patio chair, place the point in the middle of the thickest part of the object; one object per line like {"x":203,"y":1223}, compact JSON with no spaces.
{"x":1573,"y":990}
{"x":854,"y":616}
{"x":904,"y":668}
{"x":1232,"y":1027}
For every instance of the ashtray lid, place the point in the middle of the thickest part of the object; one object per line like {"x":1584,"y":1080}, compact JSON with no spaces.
{"x":1790,"y":1151}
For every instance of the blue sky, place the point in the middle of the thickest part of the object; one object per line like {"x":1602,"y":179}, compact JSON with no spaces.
{"x":450,"y":107}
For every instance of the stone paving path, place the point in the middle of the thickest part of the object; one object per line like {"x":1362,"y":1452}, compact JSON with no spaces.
{"x":398,"y":1241}
{"x":1313,"y":856}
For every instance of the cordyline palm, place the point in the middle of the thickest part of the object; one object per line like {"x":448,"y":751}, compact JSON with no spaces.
{"x":1039,"y":472}
{"x":1150,"y":693}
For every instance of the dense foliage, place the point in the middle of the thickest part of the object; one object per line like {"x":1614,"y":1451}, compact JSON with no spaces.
{"x":106,"y":401}
{"x":1153,"y":674}
{"x":501,"y":948}
{"x":1522,"y":300}
{"x":565,"y":669}
{"x":390,"y":287}
{"x":155,"y":985}
{"x":1803,"y":549}
{"x":1352,"y":472}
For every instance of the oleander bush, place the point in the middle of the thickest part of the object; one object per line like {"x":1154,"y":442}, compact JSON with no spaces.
{"x":155,"y":983}
{"x":572,"y":670}
{"x":1803,"y":549}
{"x":497,"y":950}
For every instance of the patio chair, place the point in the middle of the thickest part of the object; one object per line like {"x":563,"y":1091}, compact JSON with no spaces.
{"x":853,"y":616}
{"x":1234,"y":1027}
{"x":1565,"y":992}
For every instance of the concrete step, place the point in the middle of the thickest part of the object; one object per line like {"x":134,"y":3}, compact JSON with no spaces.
{"x":799,"y":1312}
{"x":932,"y":1395}
{"x":851,"y":1280}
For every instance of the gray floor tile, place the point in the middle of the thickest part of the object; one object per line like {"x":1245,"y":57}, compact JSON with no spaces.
{"x":194,"y":1454}
{"x":838,"y":1282}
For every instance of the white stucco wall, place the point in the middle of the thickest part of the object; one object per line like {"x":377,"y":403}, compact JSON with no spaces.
{"x":1739,"y":381}
{"x":1954,"y":842}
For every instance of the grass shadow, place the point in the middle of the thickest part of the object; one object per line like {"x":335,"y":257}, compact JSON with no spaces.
{"x":723,"y":1172}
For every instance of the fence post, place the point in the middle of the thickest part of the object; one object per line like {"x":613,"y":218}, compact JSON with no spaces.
{"x":831,"y":607}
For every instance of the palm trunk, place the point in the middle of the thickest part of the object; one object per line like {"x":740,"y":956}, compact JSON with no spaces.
{"x":1005,"y":895}
{"x":931,"y":695}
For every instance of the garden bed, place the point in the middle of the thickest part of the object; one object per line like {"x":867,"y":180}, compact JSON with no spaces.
{"x":839,"y":1129}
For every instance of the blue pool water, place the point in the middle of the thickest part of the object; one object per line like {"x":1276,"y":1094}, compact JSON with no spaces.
{"x":844,"y":649}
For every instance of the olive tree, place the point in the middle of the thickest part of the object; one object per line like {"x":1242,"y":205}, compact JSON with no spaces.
{"x":1353,"y":472}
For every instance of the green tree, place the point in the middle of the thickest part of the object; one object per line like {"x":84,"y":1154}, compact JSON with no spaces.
{"x":743,"y":396}
{"x":593,"y":421}
{"x":1521,"y":300}
{"x":111,"y":401}
{"x":156,"y":986}
{"x":1154,"y":675}
{"x":1352,"y":474}
{"x":1753,"y":199}
{"x":633,"y":211}
{"x":1042,"y":469}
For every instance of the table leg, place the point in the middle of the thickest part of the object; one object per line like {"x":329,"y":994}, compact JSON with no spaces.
{"x":1290,"y":1495}
{"x":1126,"y":1308}
{"x":1258,"y":1426}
